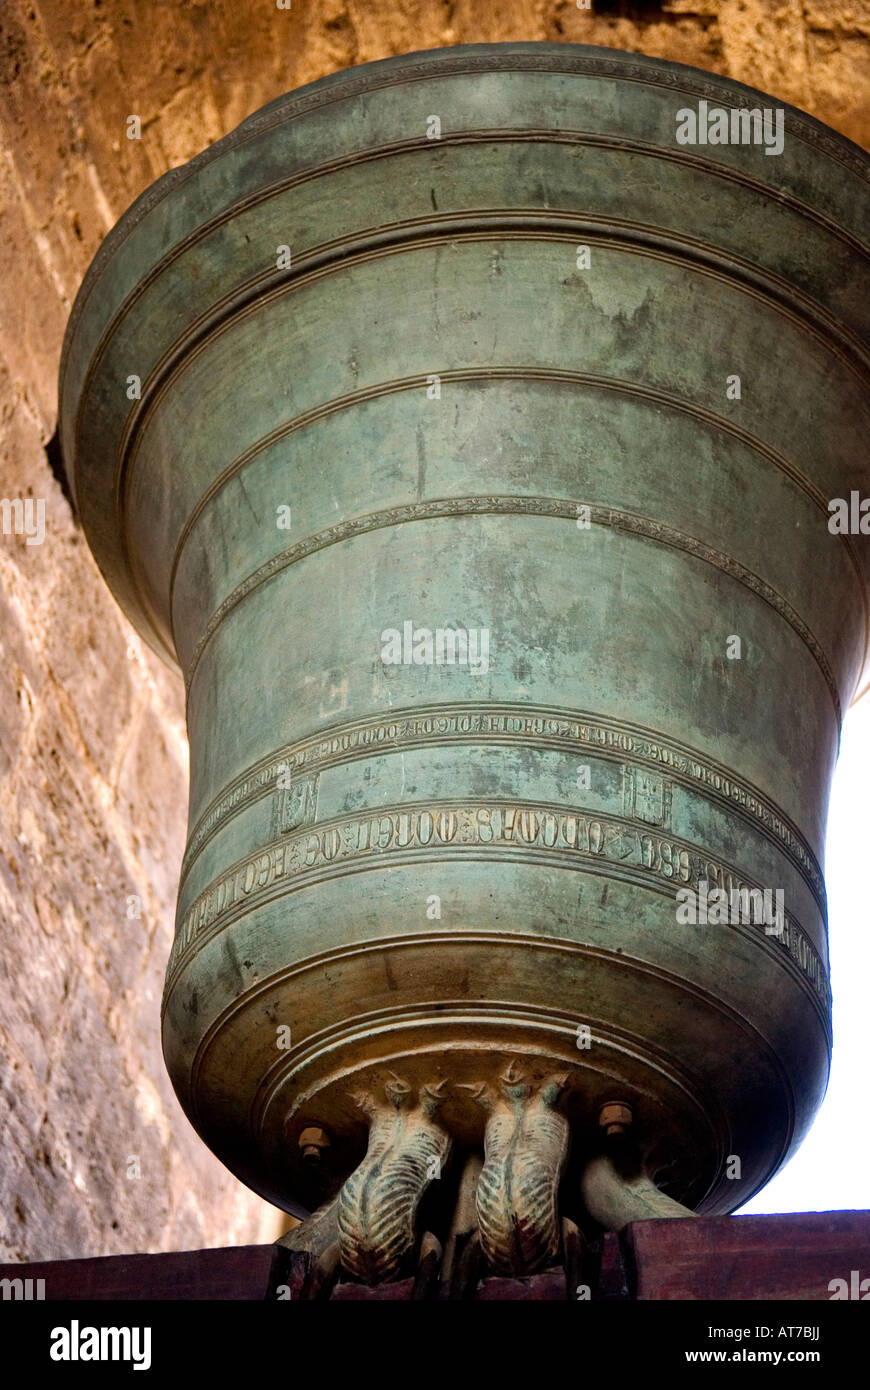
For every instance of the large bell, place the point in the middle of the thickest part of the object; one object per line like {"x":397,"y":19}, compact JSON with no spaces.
{"x":468,"y":427}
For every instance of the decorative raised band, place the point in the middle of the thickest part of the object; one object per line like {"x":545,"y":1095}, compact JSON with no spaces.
{"x":573,"y":60}
{"x":502,"y":505}
{"x":637,"y":390}
{"x":547,"y":223}
{"x":524,"y":832}
{"x":776,"y":293}
{"x":531,"y":726}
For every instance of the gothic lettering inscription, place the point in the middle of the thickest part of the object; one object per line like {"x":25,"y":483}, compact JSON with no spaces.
{"x":534,"y":831}
{"x":535,"y":728}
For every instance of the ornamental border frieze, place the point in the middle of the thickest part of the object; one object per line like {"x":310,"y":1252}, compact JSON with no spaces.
{"x":634,"y":390}
{"x":531,"y":726}
{"x":200,"y":337}
{"x":633,"y":523}
{"x":525,"y":831}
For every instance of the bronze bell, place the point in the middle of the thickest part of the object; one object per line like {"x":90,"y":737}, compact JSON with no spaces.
{"x":469,"y":427}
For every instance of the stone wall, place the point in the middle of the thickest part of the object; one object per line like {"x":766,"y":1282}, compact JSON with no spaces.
{"x":92,"y":745}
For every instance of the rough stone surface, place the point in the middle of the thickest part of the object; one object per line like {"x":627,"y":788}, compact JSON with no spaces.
{"x":92,"y":746}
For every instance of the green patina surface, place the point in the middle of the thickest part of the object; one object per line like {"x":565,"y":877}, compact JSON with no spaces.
{"x":492,"y":392}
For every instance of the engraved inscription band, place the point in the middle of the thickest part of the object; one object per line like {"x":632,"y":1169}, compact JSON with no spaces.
{"x":529,"y":831}
{"x":529,"y":725}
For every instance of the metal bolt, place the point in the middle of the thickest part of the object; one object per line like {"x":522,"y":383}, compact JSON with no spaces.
{"x":312,"y":1142}
{"x":615,"y":1117}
